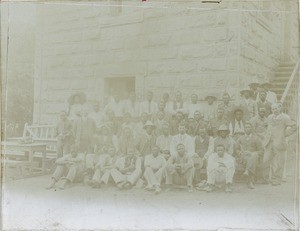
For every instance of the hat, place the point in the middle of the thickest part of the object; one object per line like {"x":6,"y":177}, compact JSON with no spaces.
{"x":266,"y":83}
{"x":149,"y":123}
{"x":223,"y":127}
{"x":210,"y":96}
{"x":236,"y":109}
{"x":81,"y":95}
{"x":253,"y":84}
{"x":246,"y":90}
{"x":104,"y":126}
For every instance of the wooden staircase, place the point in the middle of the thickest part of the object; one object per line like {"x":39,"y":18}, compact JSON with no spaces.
{"x":285,"y":85}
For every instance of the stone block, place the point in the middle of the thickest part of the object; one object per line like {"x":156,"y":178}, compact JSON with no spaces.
{"x":157,"y":40}
{"x":215,"y":34}
{"x":217,"y":64}
{"x":196,"y":51}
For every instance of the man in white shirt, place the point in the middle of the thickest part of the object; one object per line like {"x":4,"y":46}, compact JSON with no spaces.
{"x":193,"y":106}
{"x":168,"y":103}
{"x":154,"y":169}
{"x":149,"y":106}
{"x":97,"y":115}
{"x":163,"y":141}
{"x":132,"y":106}
{"x":116,"y":105}
{"x":178,"y":103}
{"x":271,"y":96}
{"x":210,"y":109}
{"x":182,"y":138}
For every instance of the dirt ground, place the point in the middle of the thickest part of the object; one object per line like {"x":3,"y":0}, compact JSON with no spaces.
{"x":28,"y":205}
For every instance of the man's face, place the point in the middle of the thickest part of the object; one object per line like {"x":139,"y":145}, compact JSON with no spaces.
{"x":149,"y":96}
{"x":181,"y":129}
{"x":223,"y":134}
{"x":165,"y":129}
{"x":275,"y":109}
{"x":96,"y":107}
{"x":180,"y":149}
{"x":76,"y":99}
{"x":220,"y":113}
{"x":202,"y":132}
{"x":220,"y":150}
{"x":178,"y":96}
{"x":111,"y":151}
{"x":197,"y":116}
{"x":149,"y":129}
{"x":262,"y":95}
{"x":194,"y":98}
{"x":246,"y":94}
{"x":179,"y":116}
{"x":74,"y":154}
{"x":63,"y":116}
{"x":248,"y":129}
{"x":210,"y":100}
{"x":238,"y":115}
{"x":161,"y":106}
{"x":155,"y":151}
{"x":262,"y":112}
{"x":225,"y":98}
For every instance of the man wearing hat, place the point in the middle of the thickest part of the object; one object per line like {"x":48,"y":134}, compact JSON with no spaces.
{"x":263,"y":102}
{"x":271,"y":96}
{"x":180,"y":167}
{"x":69,"y":169}
{"x":220,"y":169}
{"x":154,"y":169}
{"x":254,"y":87}
{"x":275,"y":145}
{"x":224,"y":139}
{"x":248,"y":104}
{"x":209,"y":109}
{"x":216,"y":122}
{"x":249,"y":149}
{"x":147,"y":139}
{"x":182,"y":138}
{"x":227,"y":106}
{"x":237,"y":124}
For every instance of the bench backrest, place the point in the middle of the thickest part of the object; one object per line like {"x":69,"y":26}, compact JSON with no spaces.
{"x":42,"y":133}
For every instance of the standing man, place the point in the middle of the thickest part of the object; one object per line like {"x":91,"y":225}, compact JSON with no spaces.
{"x":97,"y":115}
{"x":178,"y":103}
{"x":275,"y":145}
{"x":227,"y":106}
{"x":249,"y":148}
{"x":116,"y":105}
{"x":271,"y":96}
{"x":262,"y":102}
{"x":193,"y":106}
{"x":154,"y":169}
{"x":149,"y":106}
{"x":64,"y":133}
{"x":237,"y":125}
{"x":215,"y":123}
{"x":84,"y":130}
{"x":182,"y":138}
{"x":225,"y":140}
{"x":147,"y":139}
{"x":260,"y":123}
{"x":220,"y":169}
{"x":132,"y":106}
{"x":209,"y":110}
{"x":248,"y":104}
{"x":180,"y":167}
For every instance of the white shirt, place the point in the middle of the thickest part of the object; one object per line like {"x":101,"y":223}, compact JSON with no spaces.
{"x":184,"y":139}
{"x":192,"y":108}
{"x":116,"y":107}
{"x":98,"y":117}
{"x":271,"y":97}
{"x":149,"y":107}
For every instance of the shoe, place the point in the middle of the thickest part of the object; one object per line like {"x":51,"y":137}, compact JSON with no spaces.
{"x":50,"y":186}
{"x":208,"y":188}
{"x":275,"y":183}
{"x":250,"y":185}
{"x":262,"y":181}
{"x":157,"y":190}
{"x":228,"y":188}
{"x":190,"y":189}
{"x":148,"y":188}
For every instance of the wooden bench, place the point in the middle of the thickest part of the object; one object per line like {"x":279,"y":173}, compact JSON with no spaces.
{"x":39,"y":134}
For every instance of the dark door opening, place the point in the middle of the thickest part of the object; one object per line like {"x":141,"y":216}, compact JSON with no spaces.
{"x":123,"y":86}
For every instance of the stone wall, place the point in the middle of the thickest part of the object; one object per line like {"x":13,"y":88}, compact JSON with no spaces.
{"x":165,"y":46}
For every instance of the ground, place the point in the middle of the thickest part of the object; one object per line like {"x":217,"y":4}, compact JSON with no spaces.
{"x":28,"y":205}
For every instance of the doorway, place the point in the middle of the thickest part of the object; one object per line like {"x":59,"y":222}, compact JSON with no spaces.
{"x":123,"y":86}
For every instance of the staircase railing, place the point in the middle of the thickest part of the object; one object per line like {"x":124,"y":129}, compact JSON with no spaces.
{"x":289,"y":97}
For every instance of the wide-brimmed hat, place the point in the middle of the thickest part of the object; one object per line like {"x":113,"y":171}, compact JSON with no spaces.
{"x":236,"y":109}
{"x":149,"y":123}
{"x":210,"y":96}
{"x":223,"y":127}
{"x":247,"y":89}
{"x":81,"y":95}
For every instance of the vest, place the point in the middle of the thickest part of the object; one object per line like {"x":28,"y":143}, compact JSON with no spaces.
{"x":201,"y":148}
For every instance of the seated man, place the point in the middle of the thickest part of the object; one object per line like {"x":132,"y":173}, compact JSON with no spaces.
{"x":220,"y":169}
{"x":164,"y":141}
{"x":128,"y":169}
{"x":103,"y":168}
{"x":69,"y":169}
{"x":154,"y":169}
{"x":249,"y":148}
{"x":180,"y":167}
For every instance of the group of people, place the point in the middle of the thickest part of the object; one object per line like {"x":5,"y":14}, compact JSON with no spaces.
{"x":172,"y":142}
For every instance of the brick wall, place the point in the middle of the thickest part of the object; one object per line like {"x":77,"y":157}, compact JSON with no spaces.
{"x":165,"y":46}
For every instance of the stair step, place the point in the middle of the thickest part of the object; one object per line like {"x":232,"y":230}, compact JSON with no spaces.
{"x":286,"y":64}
